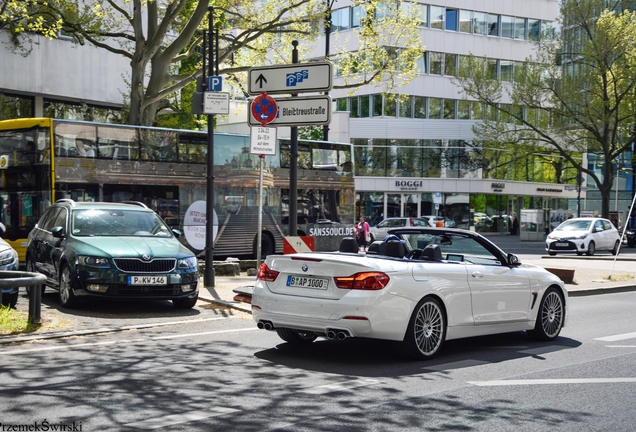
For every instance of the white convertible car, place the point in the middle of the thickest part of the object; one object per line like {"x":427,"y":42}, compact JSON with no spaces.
{"x":419,"y":287}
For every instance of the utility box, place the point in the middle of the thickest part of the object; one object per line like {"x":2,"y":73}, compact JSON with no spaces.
{"x":532,"y":227}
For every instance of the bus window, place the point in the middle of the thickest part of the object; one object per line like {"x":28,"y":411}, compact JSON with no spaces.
{"x":118,"y":143}
{"x":158,"y":145}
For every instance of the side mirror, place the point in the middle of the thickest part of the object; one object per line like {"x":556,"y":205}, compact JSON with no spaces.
{"x":58,"y":232}
{"x":176,"y":233}
{"x":513,"y":260}
{"x":3,"y":230}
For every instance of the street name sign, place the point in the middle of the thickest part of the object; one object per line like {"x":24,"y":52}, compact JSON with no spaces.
{"x":293,"y":78}
{"x":216,"y":103}
{"x":299,"y":111}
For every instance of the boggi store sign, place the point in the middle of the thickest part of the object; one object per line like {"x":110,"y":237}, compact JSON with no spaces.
{"x":408,"y":185}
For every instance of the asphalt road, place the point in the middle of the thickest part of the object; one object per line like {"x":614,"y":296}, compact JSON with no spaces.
{"x":215,"y":371}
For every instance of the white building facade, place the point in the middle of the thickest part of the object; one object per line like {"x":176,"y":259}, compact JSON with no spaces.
{"x":417,"y":156}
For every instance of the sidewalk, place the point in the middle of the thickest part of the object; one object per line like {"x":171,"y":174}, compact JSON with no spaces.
{"x":591,"y":277}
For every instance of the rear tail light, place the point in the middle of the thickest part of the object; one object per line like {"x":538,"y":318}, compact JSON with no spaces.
{"x":266,"y":274}
{"x":370,"y":281}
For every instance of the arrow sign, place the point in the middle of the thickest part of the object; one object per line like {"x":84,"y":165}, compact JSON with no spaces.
{"x":260,"y":81}
{"x":294,"y":78}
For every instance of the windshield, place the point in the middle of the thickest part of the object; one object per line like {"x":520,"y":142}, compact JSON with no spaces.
{"x":574,"y":226}
{"x":102,"y":222}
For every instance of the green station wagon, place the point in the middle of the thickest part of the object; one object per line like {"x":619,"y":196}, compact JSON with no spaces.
{"x":111,"y":250}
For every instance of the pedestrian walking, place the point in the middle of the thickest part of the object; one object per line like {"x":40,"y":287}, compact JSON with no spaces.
{"x":363,"y":234}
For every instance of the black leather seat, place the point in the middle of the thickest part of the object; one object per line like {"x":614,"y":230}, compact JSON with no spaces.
{"x":395,"y":249}
{"x":431,"y":252}
{"x":376,"y":248}
{"x":349,"y":244}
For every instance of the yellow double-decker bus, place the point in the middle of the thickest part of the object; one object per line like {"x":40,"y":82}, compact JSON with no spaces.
{"x":43,"y":160}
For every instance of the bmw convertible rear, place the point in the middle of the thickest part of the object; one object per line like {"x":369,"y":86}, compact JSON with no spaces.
{"x":333,"y":295}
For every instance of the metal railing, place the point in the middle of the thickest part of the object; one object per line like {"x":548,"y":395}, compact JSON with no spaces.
{"x":16,"y":279}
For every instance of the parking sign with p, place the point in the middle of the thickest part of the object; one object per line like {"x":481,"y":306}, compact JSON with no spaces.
{"x":215,"y":83}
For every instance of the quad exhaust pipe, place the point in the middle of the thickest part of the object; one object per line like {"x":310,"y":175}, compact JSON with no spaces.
{"x":265,"y":325}
{"x":337,"y":334}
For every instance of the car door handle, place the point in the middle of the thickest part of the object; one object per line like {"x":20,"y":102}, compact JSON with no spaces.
{"x":477,"y":274}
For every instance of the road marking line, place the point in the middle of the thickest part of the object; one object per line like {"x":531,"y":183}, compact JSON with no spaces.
{"x":174,"y":419}
{"x":346,"y":385}
{"x":204,"y":333}
{"x":617,"y":337}
{"x":552,"y":381}
{"x":620,"y":346}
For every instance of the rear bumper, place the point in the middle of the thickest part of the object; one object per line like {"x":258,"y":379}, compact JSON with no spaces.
{"x":376,"y":315}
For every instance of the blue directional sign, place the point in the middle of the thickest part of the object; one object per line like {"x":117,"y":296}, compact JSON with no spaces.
{"x":215,"y":83}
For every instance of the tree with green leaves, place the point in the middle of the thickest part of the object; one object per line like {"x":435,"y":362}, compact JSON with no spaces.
{"x":575,"y":95}
{"x":163,"y":40}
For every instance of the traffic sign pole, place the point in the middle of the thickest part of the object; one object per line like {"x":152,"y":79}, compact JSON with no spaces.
{"x":208,"y":275}
{"x":293,"y":165}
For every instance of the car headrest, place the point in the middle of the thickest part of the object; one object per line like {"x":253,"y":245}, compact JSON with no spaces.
{"x":376,"y":247}
{"x":395,"y":249}
{"x":432,"y":252}
{"x":349,"y":244}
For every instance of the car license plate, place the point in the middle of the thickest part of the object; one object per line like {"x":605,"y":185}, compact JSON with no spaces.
{"x":562,"y":244}
{"x":147,"y":280}
{"x":307,"y":282}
